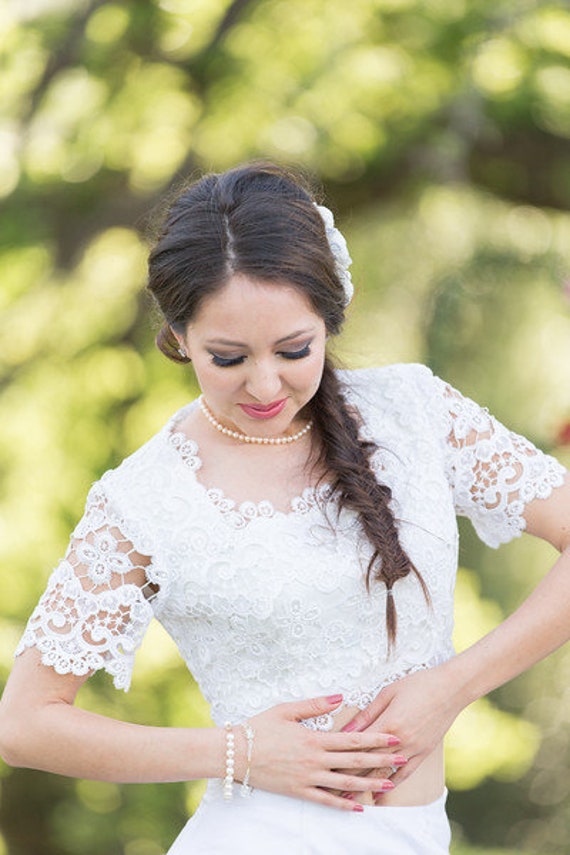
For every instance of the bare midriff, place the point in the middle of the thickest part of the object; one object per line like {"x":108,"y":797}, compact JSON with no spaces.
{"x":425,"y":785}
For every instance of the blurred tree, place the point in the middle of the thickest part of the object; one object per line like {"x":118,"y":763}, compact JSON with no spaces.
{"x":440,"y":130}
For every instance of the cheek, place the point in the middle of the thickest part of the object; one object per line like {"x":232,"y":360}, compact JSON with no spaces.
{"x":215,"y":380}
{"x":309,"y":373}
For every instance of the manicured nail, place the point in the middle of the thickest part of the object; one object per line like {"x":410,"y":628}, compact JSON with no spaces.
{"x":385,"y":789}
{"x":393,"y":740}
{"x":347,"y":795}
{"x":358,"y":808}
{"x":399,"y":760}
{"x":334,"y":699}
{"x":348,"y":728}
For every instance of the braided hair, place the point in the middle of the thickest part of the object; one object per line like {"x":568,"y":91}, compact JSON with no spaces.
{"x":260,"y":220}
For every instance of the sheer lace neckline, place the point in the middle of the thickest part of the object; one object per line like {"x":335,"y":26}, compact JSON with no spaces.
{"x":239,"y":514}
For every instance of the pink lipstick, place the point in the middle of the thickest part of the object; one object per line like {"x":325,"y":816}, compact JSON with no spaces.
{"x":259,"y":411}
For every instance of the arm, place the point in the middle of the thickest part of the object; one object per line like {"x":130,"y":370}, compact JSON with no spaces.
{"x":40,"y":728}
{"x":421,"y":708}
{"x":541,"y":624}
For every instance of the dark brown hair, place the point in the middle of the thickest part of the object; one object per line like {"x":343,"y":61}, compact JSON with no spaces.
{"x":260,"y":220}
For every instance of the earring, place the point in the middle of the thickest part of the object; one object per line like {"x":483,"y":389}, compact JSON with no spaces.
{"x":182,"y":353}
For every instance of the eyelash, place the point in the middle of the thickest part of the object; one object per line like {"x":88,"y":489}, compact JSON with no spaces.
{"x":223,"y":362}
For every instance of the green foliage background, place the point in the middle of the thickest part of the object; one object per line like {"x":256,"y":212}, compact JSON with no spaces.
{"x":440,"y":132}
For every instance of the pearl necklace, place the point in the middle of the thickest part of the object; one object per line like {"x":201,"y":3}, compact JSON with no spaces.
{"x":244,"y":437}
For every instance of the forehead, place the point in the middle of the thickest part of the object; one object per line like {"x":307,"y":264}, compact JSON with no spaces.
{"x":247,"y":307}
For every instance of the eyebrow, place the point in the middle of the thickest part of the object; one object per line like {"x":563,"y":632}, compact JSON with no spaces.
{"x":227,"y":342}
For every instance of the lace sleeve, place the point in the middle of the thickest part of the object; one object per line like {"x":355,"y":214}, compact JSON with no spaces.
{"x":494,"y":473}
{"x":95,"y":609}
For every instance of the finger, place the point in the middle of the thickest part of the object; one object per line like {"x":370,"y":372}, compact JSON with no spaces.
{"x":354,"y":783}
{"x":367,"y":760}
{"x":299,"y":710}
{"x":396,"y":779}
{"x":365,"y":718}
{"x":402,"y":774}
{"x":407,"y":770}
{"x":344,"y":795}
{"x":369,"y":741}
{"x":325,"y":797}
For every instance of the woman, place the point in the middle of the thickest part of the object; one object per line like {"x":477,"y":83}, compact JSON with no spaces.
{"x":294,"y":530}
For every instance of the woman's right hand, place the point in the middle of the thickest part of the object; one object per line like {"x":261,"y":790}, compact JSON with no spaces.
{"x":292,"y":760}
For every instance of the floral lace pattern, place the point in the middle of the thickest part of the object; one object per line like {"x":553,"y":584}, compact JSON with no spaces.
{"x":96,"y":608}
{"x":494,"y":472}
{"x":267,"y":606}
{"x":239,"y":516}
{"x":187,"y":449}
{"x":236,"y":515}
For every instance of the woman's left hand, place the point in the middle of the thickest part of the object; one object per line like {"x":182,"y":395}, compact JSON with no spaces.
{"x":418,"y":709}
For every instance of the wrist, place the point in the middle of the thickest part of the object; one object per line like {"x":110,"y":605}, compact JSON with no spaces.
{"x":237,"y":742}
{"x":460,"y":678}
{"x":240,"y":764}
{"x":229,"y":770}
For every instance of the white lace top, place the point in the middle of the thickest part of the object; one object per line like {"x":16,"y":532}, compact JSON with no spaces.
{"x":267,"y":606}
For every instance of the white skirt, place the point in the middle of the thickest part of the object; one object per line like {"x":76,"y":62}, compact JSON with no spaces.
{"x":269,"y":824}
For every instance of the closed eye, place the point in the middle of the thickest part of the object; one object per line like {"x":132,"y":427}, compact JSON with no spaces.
{"x":226,"y":361}
{"x":296,"y":354}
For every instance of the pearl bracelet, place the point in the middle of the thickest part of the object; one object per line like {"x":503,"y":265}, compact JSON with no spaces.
{"x":230,"y":754}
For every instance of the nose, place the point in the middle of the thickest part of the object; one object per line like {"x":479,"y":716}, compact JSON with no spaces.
{"x":263,"y":382}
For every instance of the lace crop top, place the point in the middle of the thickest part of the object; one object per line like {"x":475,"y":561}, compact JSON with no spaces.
{"x":267,"y":606}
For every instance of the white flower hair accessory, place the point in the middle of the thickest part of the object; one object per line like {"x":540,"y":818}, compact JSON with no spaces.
{"x":339,"y":249}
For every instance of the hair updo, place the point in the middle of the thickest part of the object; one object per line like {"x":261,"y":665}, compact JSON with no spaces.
{"x":256,"y":220}
{"x":261,"y":221}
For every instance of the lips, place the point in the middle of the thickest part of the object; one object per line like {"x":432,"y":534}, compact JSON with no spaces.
{"x":259,"y":411}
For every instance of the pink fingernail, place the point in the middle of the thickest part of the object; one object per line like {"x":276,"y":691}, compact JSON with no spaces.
{"x":399,"y":761}
{"x":358,"y":808}
{"x":385,"y":789}
{"x":393,"y":740}
{"x":334,"y":699}
{"x":348,"y":728}
{"x":348,"y":795}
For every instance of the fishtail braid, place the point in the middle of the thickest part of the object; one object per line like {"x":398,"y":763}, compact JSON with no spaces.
{"x":348,"y":457}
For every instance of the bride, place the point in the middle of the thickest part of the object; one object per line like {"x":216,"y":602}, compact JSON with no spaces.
{"x":294,"y":530}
